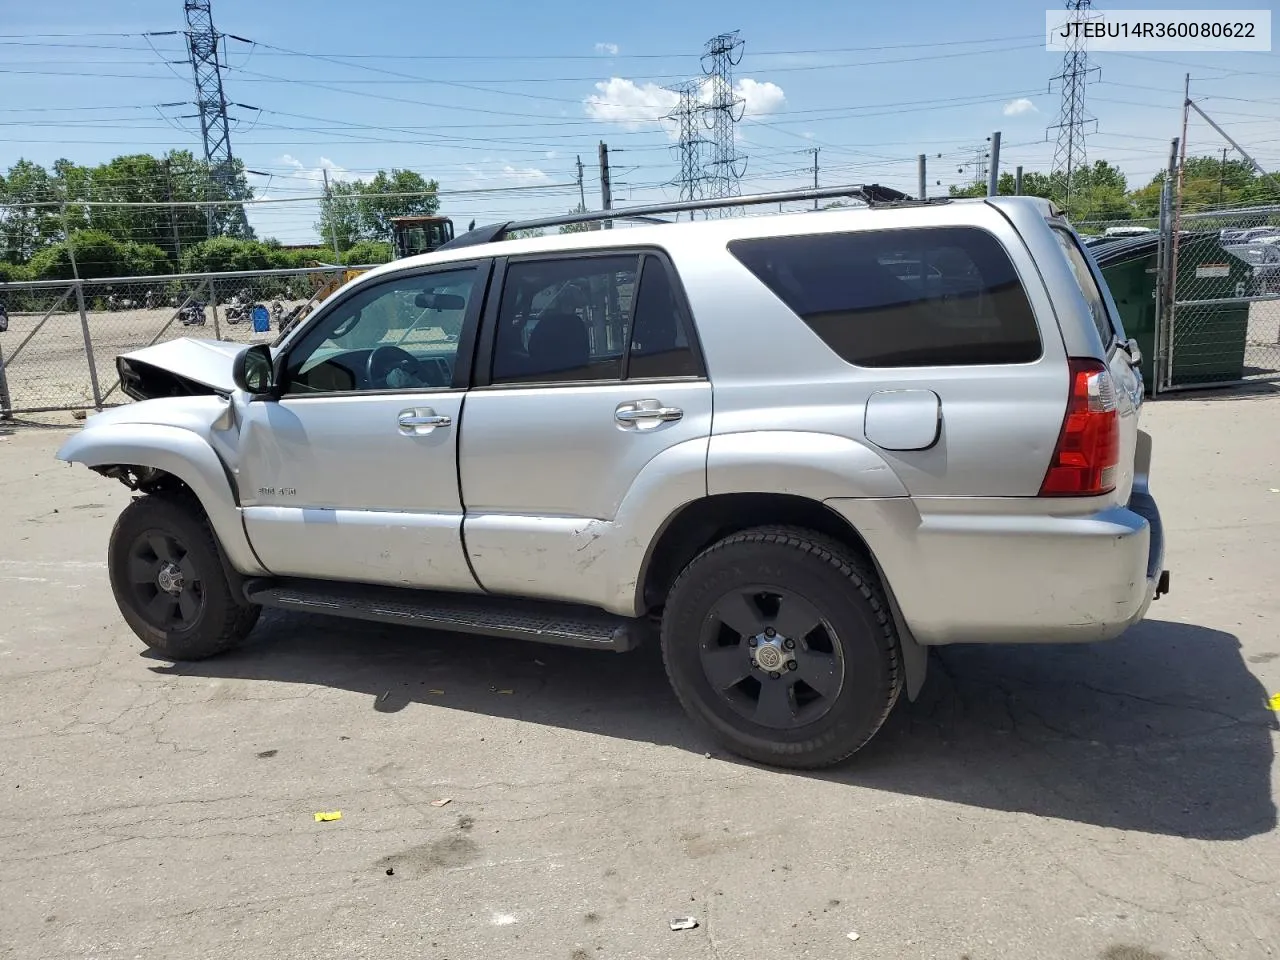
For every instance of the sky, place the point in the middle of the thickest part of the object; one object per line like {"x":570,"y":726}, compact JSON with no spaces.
{"x":498,"y":100}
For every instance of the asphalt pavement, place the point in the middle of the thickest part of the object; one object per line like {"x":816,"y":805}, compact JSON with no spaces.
{"x":1109,"y":801}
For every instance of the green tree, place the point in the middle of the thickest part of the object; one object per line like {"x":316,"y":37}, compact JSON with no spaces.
{"x":26,"y":230}
{"x":379,"y":203}
{"x":222,"y":254}
{"x":339,"y":222}
{"x":368,"y":251}
{"x":357,"y":210}
{"x":578,"y":227}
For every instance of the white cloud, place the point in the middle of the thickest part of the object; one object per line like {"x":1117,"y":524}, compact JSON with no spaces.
{"x":1015,"y":108}
{"x":523,"y":176}
{"x":550,"y":155}
{"x":632,"y":105}
{"x":761,"y":98}
{"x":301,"y":171}
{"x":610,"y":48}
{"x":636,"y":106}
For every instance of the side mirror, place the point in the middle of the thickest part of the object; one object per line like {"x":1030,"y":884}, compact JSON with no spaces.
{"x":253,"y":371}
{"x":1135,"y":354}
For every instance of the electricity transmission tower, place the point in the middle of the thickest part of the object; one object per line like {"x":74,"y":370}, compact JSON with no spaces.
{"x":1069,"y":154}
{"x":977,"y":165}
{"x":202,"y":44}
{"x":725,"y":108}
{"x":691,"y":146}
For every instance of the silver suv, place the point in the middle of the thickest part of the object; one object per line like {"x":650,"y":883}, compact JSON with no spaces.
{"x":801,"y":449}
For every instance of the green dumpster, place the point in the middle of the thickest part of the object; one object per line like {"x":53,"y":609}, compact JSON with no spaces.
{"x":1129,"y":268}
{"x":1209,"y":340}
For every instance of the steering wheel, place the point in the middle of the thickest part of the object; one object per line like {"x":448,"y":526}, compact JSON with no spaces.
{"x":387,"y":358}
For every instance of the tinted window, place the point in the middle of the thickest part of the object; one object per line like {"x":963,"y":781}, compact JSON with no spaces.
{"x":1084,"y":279}
{"x":401,"y":334}
{"x":659,"y":342}
{"x":940,"y":296}
{"x":564,"y":319}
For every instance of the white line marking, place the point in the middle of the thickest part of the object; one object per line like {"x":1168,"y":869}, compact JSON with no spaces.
{"x":59,"y":564}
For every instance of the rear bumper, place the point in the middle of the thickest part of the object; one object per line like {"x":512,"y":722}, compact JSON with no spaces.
{"x":970,"y":572}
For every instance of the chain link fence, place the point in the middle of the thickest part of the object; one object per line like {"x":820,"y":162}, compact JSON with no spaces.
{"x":59,"y":350}
{"x":1224,"y":322}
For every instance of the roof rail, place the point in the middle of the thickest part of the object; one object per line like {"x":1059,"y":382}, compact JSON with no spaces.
{"x":871,"y":194}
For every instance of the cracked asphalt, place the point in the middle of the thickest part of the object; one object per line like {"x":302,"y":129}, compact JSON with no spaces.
{"x":1111,"y":801}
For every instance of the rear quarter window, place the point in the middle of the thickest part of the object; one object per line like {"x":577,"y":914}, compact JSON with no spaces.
{"x":1088,"y":286}
{"x":920,"y":297}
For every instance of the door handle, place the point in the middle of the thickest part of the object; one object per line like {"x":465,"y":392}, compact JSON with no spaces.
{"x":646,"y":410}
{"x":411,"y":418}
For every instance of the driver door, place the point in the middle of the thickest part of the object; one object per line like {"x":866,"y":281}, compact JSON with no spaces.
{"x":352,"y":473}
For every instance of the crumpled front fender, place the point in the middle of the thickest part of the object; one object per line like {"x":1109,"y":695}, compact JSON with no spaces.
{"x":182,"y":453}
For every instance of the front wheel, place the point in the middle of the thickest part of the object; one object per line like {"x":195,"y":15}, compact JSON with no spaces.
{"x":169,"y":582}
{"x":779,"y":640}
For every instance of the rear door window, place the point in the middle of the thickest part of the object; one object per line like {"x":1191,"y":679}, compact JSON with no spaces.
{"x":1088,"y":286}
{"x":564,"y":319}
{"x":920,"y":297}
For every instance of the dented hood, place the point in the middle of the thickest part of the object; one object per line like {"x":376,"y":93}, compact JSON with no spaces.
{"x":178,"y":368}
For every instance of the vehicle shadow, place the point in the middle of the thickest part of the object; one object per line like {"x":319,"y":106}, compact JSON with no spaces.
{"x":1164,"y":731}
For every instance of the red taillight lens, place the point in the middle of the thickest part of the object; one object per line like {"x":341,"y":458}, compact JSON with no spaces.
{"x":1088,"y":453}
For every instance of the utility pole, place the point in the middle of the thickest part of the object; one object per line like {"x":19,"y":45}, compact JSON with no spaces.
{"x":1222,"y":175}
{"x":1017,"y":182}
{"x":922,"y":176}
{"x":606,"y":194}
{"x":173,"y":217}
{"x":814,"y":151}
{"x":333,"y":229}
{"x":993,"y":177}
{"x":582,"y":194}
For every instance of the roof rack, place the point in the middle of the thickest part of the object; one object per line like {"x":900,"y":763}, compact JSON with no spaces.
{"x":871,"y":194}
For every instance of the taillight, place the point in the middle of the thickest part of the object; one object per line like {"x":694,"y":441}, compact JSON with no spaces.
{"x":1085,"y":461}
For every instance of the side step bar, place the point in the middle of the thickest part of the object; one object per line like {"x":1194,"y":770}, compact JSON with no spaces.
{"x":547,"y":622}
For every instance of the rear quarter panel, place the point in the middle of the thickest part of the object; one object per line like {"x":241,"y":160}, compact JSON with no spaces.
{"x":772,"y":373}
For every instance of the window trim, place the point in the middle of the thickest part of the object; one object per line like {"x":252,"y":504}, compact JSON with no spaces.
{"x":1013,"y":264}
{"x":486,"y":342}
{"x":466,"y":336}
{"x":1095,"y":272}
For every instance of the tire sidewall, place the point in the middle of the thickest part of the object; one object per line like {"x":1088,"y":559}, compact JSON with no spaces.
{"x":202,"y":638}
{"x":859,"y":623}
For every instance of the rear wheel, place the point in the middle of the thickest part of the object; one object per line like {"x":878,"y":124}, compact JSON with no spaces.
{"x":779,"y":640}
{"x":169,"y":582}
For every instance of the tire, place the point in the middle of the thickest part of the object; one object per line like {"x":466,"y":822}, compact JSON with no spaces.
{"x":782,"y":579}
{"x":166,"y":538}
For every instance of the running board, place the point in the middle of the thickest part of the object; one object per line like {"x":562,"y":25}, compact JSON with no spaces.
{"x":544,"y":621}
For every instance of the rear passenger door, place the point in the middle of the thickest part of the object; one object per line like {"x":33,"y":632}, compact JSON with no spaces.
{"x":586,"y":374}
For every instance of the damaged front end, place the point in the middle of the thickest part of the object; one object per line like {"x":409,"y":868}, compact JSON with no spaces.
{"x":178,"y":368}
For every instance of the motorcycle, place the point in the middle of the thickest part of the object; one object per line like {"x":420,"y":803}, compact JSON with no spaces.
{"x":192,"y":315}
